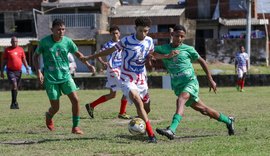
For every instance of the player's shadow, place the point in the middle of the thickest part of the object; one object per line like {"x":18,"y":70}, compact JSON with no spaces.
{"x":133,"y":137}
{"x":30,"y":142}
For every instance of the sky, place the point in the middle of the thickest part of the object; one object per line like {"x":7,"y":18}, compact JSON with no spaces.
{"x":263,"y":6}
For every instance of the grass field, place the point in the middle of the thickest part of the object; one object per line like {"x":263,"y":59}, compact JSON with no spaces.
{"x":23,"y":131}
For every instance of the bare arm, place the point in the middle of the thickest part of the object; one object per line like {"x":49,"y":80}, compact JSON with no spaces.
{"x":3,"y":63}
{"x":208,"y":74}
{"x":102,"y":53}
{"x":26,"y":65}
{"x":37,"y":67}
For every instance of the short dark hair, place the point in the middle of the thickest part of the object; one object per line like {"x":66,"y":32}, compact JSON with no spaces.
{"x":114,"y":28}
{"x":179,"y":27}
{"x":58,"y":22}
{"x":143,"y":21}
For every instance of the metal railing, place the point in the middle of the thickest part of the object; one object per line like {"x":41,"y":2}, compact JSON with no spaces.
{"x":77,"y":20}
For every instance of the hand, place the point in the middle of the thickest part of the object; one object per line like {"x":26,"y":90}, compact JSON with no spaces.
{"x":173,"y":53}
{"x":40,"y":78}
{"x":213,"y":86}
{"x":92,"y":68}
{"x":105,"y":65}
{"x":27,"y":71}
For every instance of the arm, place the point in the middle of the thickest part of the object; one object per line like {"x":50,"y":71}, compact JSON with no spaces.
{"x":102,"y":53}
{"x":26,"y":65}
{"x":208,"y":74}
{"x":104,"y":64}
{"x":163,"y":56}
{"x":37,"y":67}
{"x":3,"y":63}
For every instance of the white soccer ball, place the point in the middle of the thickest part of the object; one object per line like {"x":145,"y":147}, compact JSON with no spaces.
{"x":137,"y":126}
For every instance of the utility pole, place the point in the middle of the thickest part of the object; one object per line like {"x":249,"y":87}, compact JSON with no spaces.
{"x":248,"y":30}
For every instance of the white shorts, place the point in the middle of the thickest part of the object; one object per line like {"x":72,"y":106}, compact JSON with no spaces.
{"x":241,"y":70}
{"x":141,"y":89}
{"x":113,"y":81}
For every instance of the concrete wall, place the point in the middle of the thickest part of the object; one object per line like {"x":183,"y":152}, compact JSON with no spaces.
{"x":224,"y":50}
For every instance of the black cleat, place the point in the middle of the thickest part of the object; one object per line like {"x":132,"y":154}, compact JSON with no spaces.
{"x":13,"y":106}
{"x":152,"y":139}
{"x":16,"y":105}
{"x":90,"y":110}
{"x":230,"y":126}
{"x":167,"y":132}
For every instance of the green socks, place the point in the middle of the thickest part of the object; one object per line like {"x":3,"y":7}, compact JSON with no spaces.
{"x":224,"y":118}
{"x":75,"y":120}
{"x":175,"y":122}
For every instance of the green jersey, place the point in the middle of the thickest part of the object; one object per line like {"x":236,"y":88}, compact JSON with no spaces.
{"x":55,"y":58}
{"x":183,"y":78}
{"x":179,"y":66}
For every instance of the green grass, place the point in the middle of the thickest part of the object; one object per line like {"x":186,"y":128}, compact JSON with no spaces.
{"x":23,"y":131}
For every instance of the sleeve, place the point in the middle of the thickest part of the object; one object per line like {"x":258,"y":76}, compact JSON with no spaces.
{"x":246,"y":57}
{"x":23,"y":53}
{"x":72,"y":47}
{"x":121,"y":44}
{"x":158,"y":49}
{"x":194,"y":55}
{"x":39,"y":49}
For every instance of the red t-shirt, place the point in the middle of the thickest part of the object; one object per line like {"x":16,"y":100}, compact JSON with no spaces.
{"x":14,"y":57}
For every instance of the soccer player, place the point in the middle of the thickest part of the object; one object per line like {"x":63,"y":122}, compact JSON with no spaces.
{"x":177,"y":58}
{"x":241,"y":67}
{"x":57,"y":79}
{"x":14,"y":57}
{"x":113,"y":63}
{"x":135,"y":50}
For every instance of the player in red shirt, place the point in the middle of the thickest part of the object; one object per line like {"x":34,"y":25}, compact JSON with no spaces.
{"x":14,"y":57}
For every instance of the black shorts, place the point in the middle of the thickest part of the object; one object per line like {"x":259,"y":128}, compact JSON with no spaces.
{"x":14,"y":76}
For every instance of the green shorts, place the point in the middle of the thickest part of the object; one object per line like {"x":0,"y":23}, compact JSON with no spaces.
{"x":54,"y":91}
{"x":191,"y":87}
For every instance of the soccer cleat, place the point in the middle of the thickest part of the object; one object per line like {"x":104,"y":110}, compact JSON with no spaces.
{"x":242,"y":90}
{"x":16,"y":105}
{"x":12,"y":106}
{"x":90,"y":110}
{"x":167,"y":132}
{"x":49,"y":121}
{"x":152,"y":139}
{"x":124,"y":116}
{"x":76,"y":130}
{"x":237,"y":88}
{"x":230,"y":126}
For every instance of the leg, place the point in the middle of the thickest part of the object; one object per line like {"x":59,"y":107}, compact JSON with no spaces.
{"x":122,"y":113}
{"x":73,"y":97}
{"x":51,"y":112}
{"x":90,"y":107}
{"x":212,"y":113}
{"x":180,"y":105}
{"x":135,"y":97}
{"x":243,"y":81}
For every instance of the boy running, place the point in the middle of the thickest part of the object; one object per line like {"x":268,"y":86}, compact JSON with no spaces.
{"x":241,"y":67}
{"x":177,"y":58}
{"x":135,"y":50}
{"x":57,"y":78}
{"x":113,"y":63}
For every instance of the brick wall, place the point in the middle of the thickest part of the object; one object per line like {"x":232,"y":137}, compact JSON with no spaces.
{"x":15,"y":5}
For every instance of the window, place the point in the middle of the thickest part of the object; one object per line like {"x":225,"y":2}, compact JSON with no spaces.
{"x":24,"y":26}
{"x":204,"y":9}
{"x":237,"y":5}
{"x":2,"y":26}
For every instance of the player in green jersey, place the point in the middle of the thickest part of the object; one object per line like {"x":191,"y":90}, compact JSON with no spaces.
{"x":177,"y":58}
{"x":57,"y":79}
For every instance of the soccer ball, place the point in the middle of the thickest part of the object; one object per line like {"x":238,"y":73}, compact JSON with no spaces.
{"x":136,"y":126}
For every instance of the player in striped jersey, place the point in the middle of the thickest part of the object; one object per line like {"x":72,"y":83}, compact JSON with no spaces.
{"x":135,"y":50}
{"x":112,"y":64}
{"x":241,"y":67}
